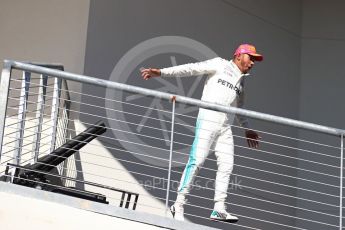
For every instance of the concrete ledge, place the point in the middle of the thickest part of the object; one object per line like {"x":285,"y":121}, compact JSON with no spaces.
{"x":98,"y":209}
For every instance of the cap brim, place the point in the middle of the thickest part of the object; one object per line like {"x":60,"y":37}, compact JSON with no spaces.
{"x":257,"y":57}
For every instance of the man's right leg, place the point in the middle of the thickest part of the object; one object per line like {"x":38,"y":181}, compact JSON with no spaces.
{"x":203,"y":139}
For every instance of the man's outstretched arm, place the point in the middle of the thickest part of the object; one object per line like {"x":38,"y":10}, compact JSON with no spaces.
{"x":186,"y":70}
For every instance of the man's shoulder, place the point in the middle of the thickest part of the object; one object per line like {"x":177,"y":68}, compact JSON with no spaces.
{"x":219,"y":60}
{"x":216,"y":58}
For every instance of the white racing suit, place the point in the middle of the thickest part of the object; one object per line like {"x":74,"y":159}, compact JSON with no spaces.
{"x":224,"y":86}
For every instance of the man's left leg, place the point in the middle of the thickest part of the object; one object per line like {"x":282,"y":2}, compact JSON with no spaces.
{"x":224,"y":150}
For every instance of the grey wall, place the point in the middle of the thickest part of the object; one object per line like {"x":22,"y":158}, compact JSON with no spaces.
{"x":46,"y":32}
{"x":322,"y":63}
{"x":115,"y":27}
{"x":321,"y":99}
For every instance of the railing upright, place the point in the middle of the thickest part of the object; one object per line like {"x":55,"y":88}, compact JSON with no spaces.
{"x":341,"y":182}
{"x":170,"y":154}
{"x":66,"y":132}
{"x":23,"y":103}
{"x":4,"y":91}
{"x":55,"y":111}
{"x":41,"y":101}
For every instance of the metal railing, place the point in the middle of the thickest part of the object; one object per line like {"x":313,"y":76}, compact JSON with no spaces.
{"x":293,"y":181}
{"x":34,"y":110}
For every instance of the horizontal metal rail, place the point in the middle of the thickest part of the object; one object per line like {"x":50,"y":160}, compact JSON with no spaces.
{"x":181,"y":99}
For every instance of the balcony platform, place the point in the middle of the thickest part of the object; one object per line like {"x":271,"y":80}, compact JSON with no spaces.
{"x":23,"y":207}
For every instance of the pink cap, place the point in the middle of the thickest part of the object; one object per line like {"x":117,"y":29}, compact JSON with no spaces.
{"x":248,"y":49}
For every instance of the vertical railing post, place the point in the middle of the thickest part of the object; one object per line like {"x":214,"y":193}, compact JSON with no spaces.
{"x":341,"y":183}
{"x":67,"y":133}
{"x":65,"y":117}
{"x":4,"y":90}
{"x":23,"y":103}
{"x":170,"y":154}
{"x":41,"y":101}
{"x":55,"y":111}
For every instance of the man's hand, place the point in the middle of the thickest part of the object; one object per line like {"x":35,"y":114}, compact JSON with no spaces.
{"x":252,"y":138}
{"x":148,"y":73}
